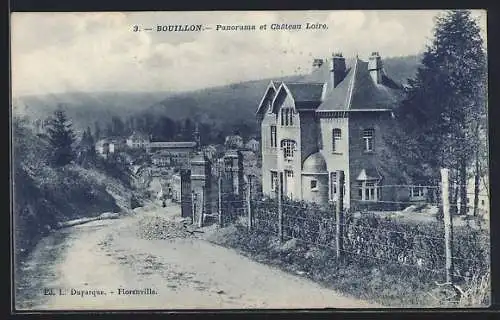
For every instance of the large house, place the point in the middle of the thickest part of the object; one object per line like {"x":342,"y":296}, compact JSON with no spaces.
{"x":136,"y":140}
{"x":332,"y":119}
{"x":171,"y":153}
{"x":104,"y":146}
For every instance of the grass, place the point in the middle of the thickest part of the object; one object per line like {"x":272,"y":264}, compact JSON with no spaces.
{"x":390,"y":285}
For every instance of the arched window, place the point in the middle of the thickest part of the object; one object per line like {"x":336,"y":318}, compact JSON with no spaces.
{"x":288,"y":147}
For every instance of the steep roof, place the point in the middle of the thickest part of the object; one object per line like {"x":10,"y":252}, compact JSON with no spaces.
{"x":315,"y":163}
{"x":268,"y":95}
{"x":368,"y":173}
{"x":369,"y":95}
{"x":356,"y":91}
{"x":307,"y":95}
{"x":337,"y":98}
{"x":322,"y":74}
{"x":305,"y":91}
{"x":137,"y":136}
{"x":173,"y":144}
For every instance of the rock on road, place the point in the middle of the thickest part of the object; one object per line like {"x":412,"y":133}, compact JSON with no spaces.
{"x":184,"y":272}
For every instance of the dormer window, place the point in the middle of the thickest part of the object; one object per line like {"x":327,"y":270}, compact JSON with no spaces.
{"x":287,"y":117}
{"x":288,"y":147}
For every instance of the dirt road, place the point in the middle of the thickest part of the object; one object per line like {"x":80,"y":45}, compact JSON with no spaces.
{"x":105,"y":265}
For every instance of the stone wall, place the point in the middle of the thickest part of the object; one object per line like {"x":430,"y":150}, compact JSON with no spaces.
{"x":360,"y":159}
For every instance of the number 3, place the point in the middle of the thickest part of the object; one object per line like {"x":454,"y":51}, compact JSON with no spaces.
{"x":136,"y":28}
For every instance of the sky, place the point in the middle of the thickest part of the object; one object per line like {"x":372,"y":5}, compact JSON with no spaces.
{"x":60,"y":52}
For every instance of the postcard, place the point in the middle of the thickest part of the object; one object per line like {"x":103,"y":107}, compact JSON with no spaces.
{"x":249,"y":160}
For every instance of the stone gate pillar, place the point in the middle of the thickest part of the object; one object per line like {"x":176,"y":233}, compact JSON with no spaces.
{"x":185,"y":193}
{"x":233,"y":172}
{"x":201,"y":186}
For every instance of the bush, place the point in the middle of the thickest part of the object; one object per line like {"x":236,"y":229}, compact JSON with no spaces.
{"x":378,"y":241}
{"x":233,"y":206}
{"x":135,"y":202}
{"x":116,"y":167}
{"x":52,"y":196}
{"x":389,"y":261}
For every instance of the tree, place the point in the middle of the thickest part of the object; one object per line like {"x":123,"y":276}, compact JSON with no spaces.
{"x":438,"y":121}
{"x":97,"y":130}
{"x":164,"y":129}
{"x":87,"y":147}
{"x":108,"y":131}
{"x":90,"y":140}
{"x":118,"y":126}
{"x":187,"y":130}
{"x":62,"y":138}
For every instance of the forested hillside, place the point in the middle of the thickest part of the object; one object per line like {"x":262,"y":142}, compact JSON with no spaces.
{"x":45,"y":194}
{"x":219,"y":111}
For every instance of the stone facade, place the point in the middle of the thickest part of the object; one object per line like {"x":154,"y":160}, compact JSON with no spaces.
{"x":233,"y":172}
{"x":201,"y":186}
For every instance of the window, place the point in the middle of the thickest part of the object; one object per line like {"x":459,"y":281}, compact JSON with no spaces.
{"x":417,"y":191}
{"x":274,"y":181}
{"x":333,"y":186}
{"x":288,"y":147}
{"x":268,"y":106}
{"x":314,"y":185}
{"x":336,"y":135}
{"x":368,"y":191}
{"x":368,"y":139}
{"x":287,"y":117}
{"x":273,"y":136}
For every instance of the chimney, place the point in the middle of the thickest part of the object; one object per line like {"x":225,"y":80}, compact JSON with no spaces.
{"x":337,"y":69}
{"x":317,"y":63}
{"x":375,"y":67}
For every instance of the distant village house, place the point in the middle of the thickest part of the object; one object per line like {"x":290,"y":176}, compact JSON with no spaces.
{"x":234,"y":142}
{"x":107,"y":146}
{"x":136,"y":140}
{"x":170,"y":153}
{"x":253,"y":145}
